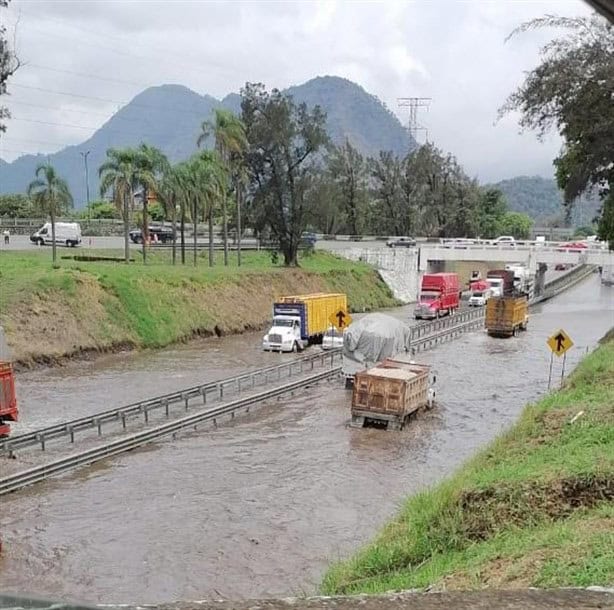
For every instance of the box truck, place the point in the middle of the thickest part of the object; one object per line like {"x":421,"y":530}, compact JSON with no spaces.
{"x":439,"y":295}
{"x":301,"y":320}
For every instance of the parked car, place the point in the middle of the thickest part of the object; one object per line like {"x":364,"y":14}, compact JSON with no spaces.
{"x":332,"y":338}
{"x":401,"y":242}
{"x":67,"y":233}
{"x":562,"y":266}
{"x":163,"y":234}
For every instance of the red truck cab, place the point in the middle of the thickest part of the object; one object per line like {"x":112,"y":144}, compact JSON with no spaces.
{"x":439,"y":295}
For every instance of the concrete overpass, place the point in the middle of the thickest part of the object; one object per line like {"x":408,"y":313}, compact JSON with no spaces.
{"x":531,"y":255}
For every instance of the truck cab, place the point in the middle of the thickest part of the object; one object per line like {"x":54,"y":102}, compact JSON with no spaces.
{"x":439,"y":295}
{"x":496,"y":286}
{"x":284,"y":335}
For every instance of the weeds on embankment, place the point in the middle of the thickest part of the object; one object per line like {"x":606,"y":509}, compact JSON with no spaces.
{"x":535,"y":508}
{"x":83,"y":307}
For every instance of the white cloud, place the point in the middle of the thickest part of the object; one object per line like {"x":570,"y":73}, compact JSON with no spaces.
{"x":449,"y":50}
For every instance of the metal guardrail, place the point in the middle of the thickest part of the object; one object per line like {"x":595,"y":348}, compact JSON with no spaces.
{"x":127,"y":443}
{"x":452,"y":331}
{"x":215,"y":390}
{"x":558,"y":285}
{"x":427,"y":328}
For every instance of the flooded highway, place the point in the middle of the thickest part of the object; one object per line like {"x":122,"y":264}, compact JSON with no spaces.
{"x":261,"y":505}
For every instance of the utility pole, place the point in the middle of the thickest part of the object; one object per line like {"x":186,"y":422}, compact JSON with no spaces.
{"x":413,"y":103}
{"x":87,"y":183}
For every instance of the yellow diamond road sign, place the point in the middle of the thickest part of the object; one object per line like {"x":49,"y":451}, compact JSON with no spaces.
{"x":559,"y":342}
{"x":340,"y":319}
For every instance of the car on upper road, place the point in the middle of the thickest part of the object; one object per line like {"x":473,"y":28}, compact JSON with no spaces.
{"x":460,"y":243}
{"x":309,"y":239}
{"x":504,"y":240}
{"x":401,"y":242}
{"x":574,"y":246}
{"x":161,"y":234}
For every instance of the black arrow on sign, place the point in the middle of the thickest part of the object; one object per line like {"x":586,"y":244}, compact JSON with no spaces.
{"x":560,"y":341}
{"x":340,"y":315}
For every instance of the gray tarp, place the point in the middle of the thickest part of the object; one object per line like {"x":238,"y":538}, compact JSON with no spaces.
{"x":371,"y":339}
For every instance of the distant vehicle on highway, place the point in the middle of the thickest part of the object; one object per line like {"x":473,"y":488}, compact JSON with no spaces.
{"x":460,"y":243}
{"x":332,"y":338}
{"x":575,"y":246}
{"x":504,"y":240}
{"x":309,"y":238}
{"x":478,"y":298}
{"x":163,"y":234}
{"x":67,"y":233}
{"x":401,"y":242}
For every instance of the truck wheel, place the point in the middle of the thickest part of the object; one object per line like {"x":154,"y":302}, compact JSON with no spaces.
{"x":295,"y":347}
{"x":40,"y":241}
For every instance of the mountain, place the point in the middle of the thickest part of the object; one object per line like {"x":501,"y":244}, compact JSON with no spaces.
{"x":542,"y":200}
{"x":169,"y":117}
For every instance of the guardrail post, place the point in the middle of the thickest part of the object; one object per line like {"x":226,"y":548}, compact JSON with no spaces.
{"x":71,"y":431}
{"x":41,"y":439}
{"x":186,"y":400}
{"x":98,"y":425}
{"x":166,"y":408}
{"x":221,"y":388}
{"x":123,"y":416}
{"x":203,"y":391}
{"x":145,"y":413}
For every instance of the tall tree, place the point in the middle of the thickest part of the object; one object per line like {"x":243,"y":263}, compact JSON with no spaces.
{"x":151,"y":163}
{"x":386,"y":174}
{"x":491,"y":208}
{"x":119,"y":175}
{"x":571,"y":91}
{"x":9,"y":63}
{"x":284,"y":139}
{"x":230,"y":144}
{"x":51,"y":195}
{"x":348,"y":170}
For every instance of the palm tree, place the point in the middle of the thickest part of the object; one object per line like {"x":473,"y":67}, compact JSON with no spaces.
{"x":206,"y":185}
{"x":151,"y":163}
{"x":170,"y":195}
{"x":230,"y":144}
{"x":119,"y":174}
{"x":50,"y":195}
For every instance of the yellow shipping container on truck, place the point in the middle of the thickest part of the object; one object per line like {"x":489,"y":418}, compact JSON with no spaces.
{"x":319,"y":307}
{"x":505,"y":316}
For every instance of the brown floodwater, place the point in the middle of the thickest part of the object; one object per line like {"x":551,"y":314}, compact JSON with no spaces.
{"x":261,"y":505}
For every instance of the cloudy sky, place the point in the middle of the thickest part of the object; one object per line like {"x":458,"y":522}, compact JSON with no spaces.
{"x":85,"y":58}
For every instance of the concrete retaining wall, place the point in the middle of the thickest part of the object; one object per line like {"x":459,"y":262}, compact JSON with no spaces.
{"x":398,"y":268}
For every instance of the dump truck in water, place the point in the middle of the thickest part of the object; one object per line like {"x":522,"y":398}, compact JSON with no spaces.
{"x":390,"y":392}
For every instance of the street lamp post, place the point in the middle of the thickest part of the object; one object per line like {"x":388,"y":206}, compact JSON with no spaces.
{"x":87,"y":183}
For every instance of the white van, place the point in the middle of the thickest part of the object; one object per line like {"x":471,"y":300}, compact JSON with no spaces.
{"x":67,"y":233}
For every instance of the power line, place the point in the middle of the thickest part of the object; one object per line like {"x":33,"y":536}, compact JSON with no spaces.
{"x":165,"y":53}
{"x":106,"y":115}
{"x":106,"y":100}
{"x":84,"y":75}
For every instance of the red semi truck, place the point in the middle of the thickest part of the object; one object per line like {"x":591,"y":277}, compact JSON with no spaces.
{"x":439,"y":295}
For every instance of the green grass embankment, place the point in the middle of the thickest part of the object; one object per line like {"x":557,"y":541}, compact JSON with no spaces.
{"x":535,"y":508}
{"x":81,"y":307}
